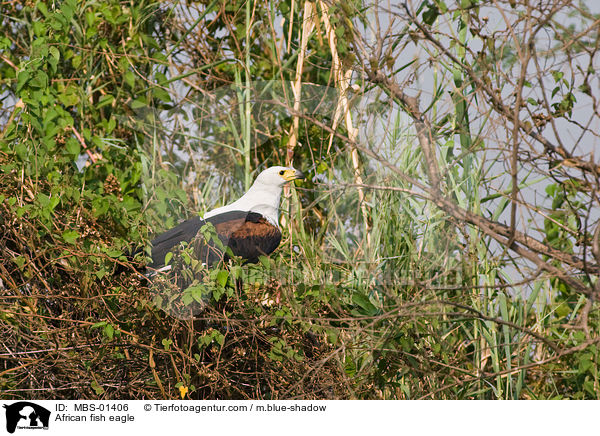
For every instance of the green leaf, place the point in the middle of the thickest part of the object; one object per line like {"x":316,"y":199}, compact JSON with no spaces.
{"x":54,"y":52}
{"x":68,"y":9}
{"x":222,"y":276}
{"x":72,"y":146}
{"x":350,"y":366}
{"x":562,"y":310}
{"x":109,"y":331}
{"x":100,"y":206}
{"x":76,"y":61}
{"x":139,"y":103}
{"x":557,"y":75}
{"x":166,"y":343}
{"x":161,"y":94}
{"x":42,"y":8}
{"x":129,"y":78}
{"x":99,"y":324}
{"x":39,"y":29}
{"x":19,"y":260}
{"x":265,"y":261}
{"x":198,"y":293}
{"x":364,"y":303}
{"x":99,"y":390}
{"x":186,"y":299}
{"x":70,"y":236}
{"x":441,"y":5}
{"x":22,"y":78}
{"x":585,"y":362}
{"x":69,"y":97}
{"x":235,"y":272}
{"x":105,"y":100}
{"x":431,"y":14}
{"x":21,"y":151}
{"x":40,"y":80}
{"x":54,"y":57}
{"x":47,"y":203}
{"x":114,"y":253}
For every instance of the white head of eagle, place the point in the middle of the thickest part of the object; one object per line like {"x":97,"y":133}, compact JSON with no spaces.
{"x":249,"y":225}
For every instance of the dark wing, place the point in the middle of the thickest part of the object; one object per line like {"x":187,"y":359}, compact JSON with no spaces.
{"x":248,"y":234}
{"x":171,"y":238}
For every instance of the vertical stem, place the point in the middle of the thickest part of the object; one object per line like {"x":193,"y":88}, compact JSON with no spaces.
{"x":308,"y":25}
{"x":342,"y":81}
{"x":247,"y":107}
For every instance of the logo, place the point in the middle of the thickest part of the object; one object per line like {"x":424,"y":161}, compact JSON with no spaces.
{"x":26,"y":415}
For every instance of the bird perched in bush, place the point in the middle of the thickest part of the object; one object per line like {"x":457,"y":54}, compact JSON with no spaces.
{"x":248,"y":226}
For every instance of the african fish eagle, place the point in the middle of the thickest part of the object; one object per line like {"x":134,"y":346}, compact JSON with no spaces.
{"x":249,"y":226}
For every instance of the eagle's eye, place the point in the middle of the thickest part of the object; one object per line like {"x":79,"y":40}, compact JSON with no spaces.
{"x":281,"y":172}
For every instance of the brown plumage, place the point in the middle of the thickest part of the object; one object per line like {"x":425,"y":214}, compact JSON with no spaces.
{"x":250,"y":236}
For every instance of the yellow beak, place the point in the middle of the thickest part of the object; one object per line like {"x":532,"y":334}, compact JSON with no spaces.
{"x":293,"y":174}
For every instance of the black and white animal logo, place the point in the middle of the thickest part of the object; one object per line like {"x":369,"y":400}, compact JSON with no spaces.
{"x":24,"y":414}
